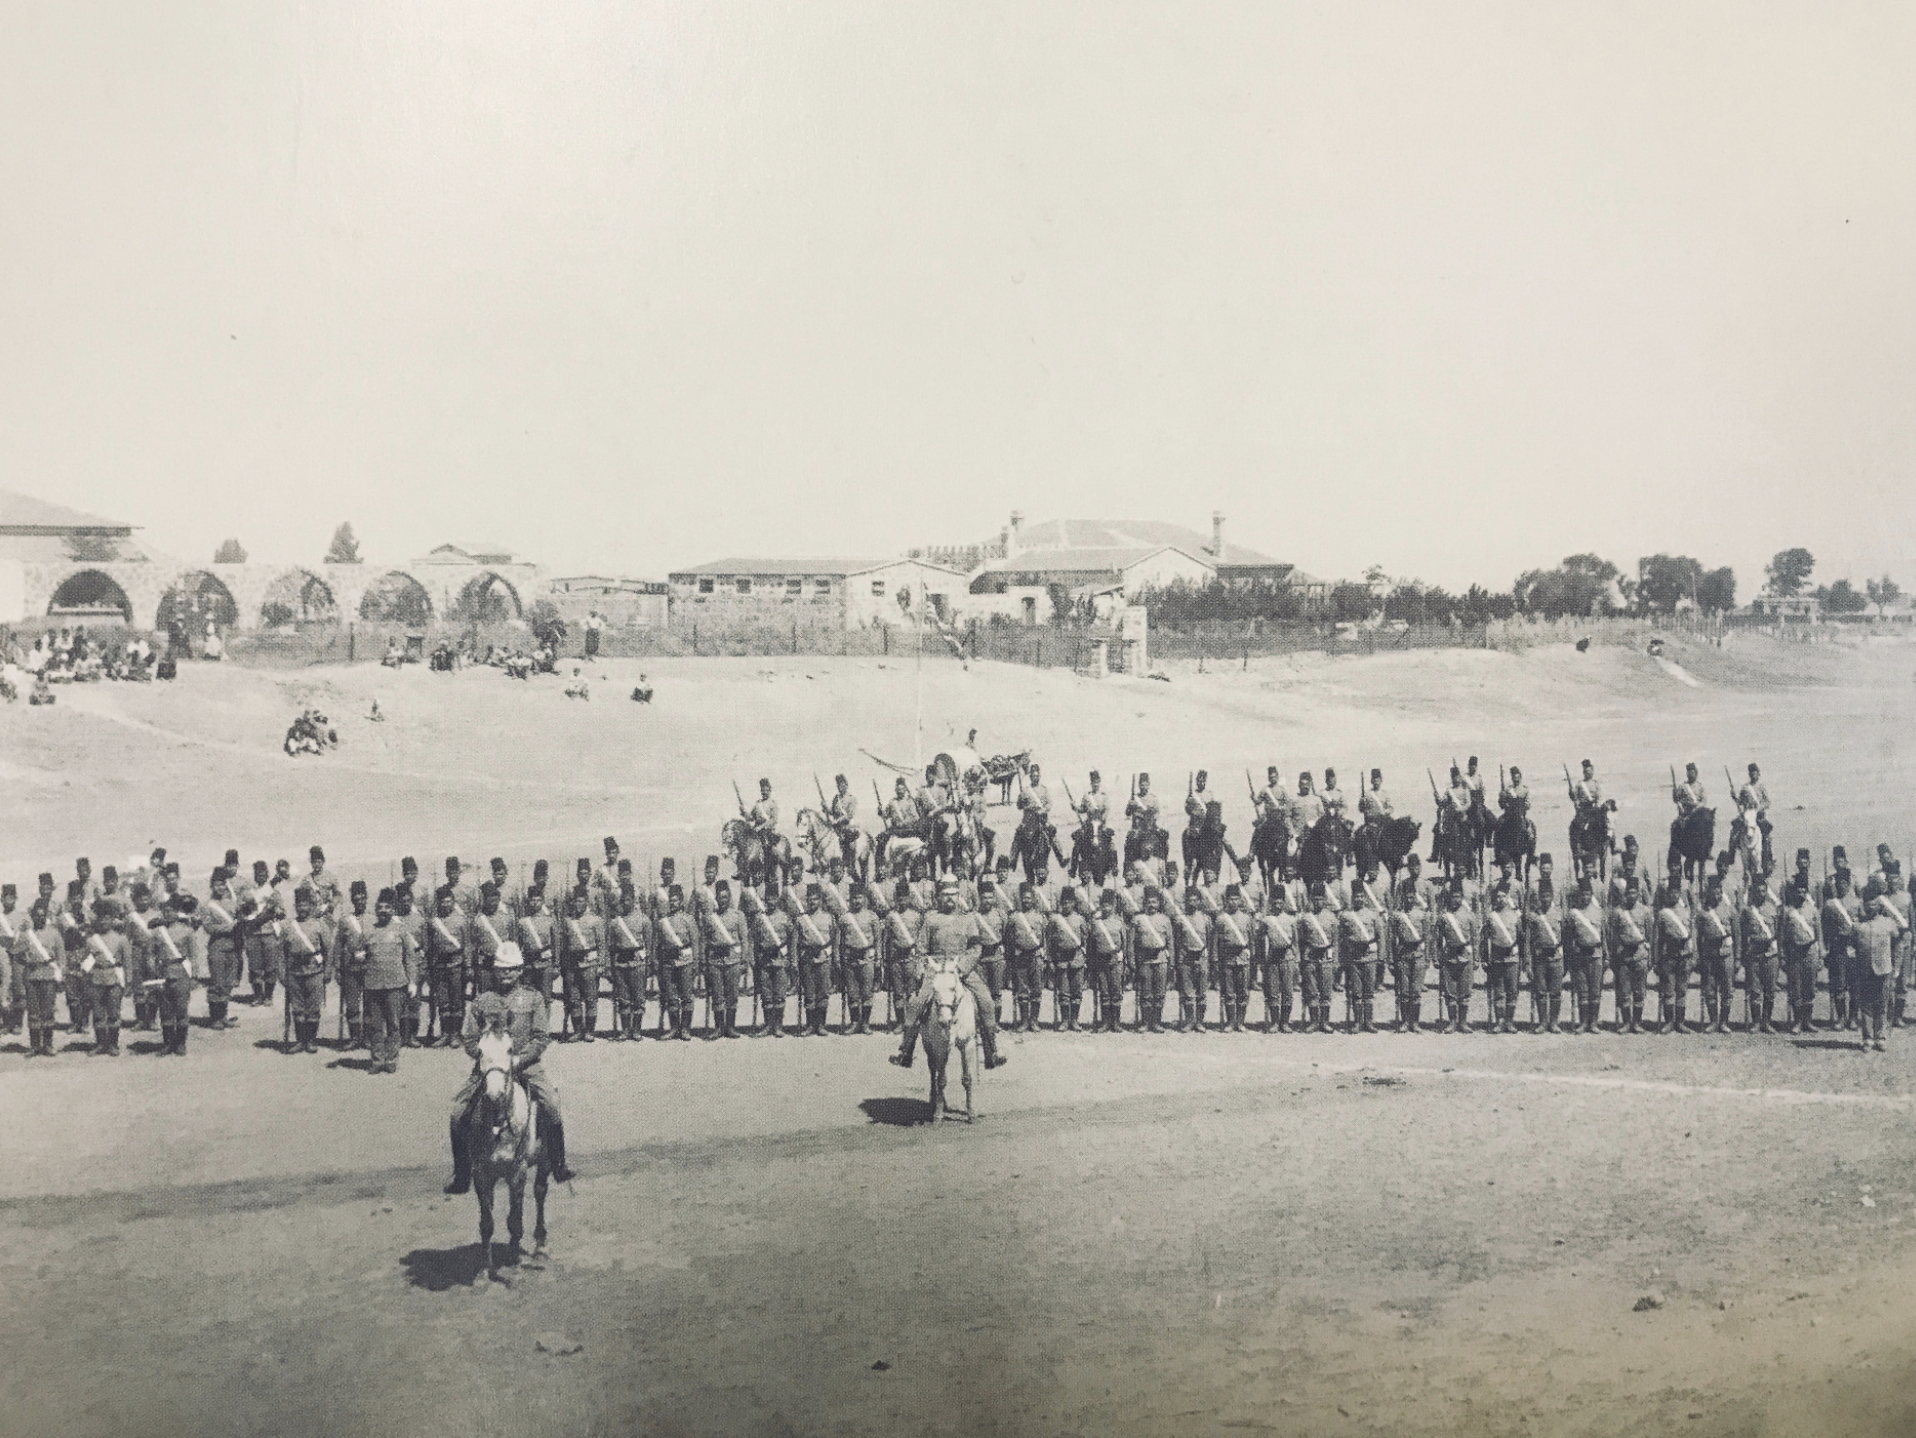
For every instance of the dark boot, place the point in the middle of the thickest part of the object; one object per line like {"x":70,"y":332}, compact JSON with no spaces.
{"x":216,"y":1014}
{"x":589,"y":1027}
{"x":269,"y":992}
{"x":1413,"y":1014}
{"x":903,"y":1057}
{"x":355,"y":1035}
{"x":1200,"y":1007}
{"x":1323,"y":1024}
{"x":1364,"y":1018}
{"x":461,"y":1159}
{"x":621,"y":1028}
{"x":555,"y":1148}
{"x":993,"y":1059}
{"x":34,"y":1031}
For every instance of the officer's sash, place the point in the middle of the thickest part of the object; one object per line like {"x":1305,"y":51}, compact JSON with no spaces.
{"x":41,"y":949}
{"x":857,"y":938}
{"x":1587,"y":932}
{"x":674,"y":937}
{"x":1673,"y":925}
{"x":1500,"y":935}
{"x":359,"y":930}
{"x":900,"y":930}
{"x":172,"y":949}
{"x":1108,"y":943}
{"x":214,"y":906}
{"x":1358,"y":926}
{"x":1763,"y":929}
{"x":491,"y":933}
{"x":445,"y":934}
{"x":1543,"y":934}
{"x":7,"y":931}
{"x":1802,"y":931}
{"x":1188,"y":931}
{"x":1234,"y":935}
{"x":1404,"y":927}
{"x":306,"y":946}
{"x":808,"y":931}
{"x":1278,"y":934}
{"x":1027,"y":939}
{"x":1065,"y":935}
{"x":767,"y":935}
{"x":1627,"y":928}
{"x":1456,"y":936}
{"x":1314,"y":936}
{"x":97,"y":953}
{"x":1152,"y":932}
{"x":1837,"y":917}
{"x":631,"y":939}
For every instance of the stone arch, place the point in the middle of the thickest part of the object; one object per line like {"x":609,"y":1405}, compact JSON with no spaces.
{"x":298,"y":596}
{"x":397,"y":598}
{"x":193,"y":599}
{"x":90,"y":593}
{"x":486,"y":598}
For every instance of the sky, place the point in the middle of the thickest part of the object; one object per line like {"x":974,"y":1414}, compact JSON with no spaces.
{"x":1456,"y":289}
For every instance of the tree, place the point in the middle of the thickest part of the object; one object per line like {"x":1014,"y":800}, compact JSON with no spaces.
{"x":1789,"y":571}
{"x":345,"y":546}
{"x":1716,"y":591}
{"x":1663,"y":581}
{"x":231,"y":551}
{"x":1883,"y":592}
{"x":1840,"y":598}
{"x":1351,"y":603}
{"x":1582,"y":585}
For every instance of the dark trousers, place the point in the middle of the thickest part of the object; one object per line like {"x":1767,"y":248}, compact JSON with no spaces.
{"x":675,"y":988}
{"x":222,"y":971}
{"x":1759,"y":978}
{"x":40,"y":995}
{"x":1631,"y":975}
{"x":857,"y":972}
{"x":628,"y":990}
{"x":1408,"y":970}
{"x":721,"y":992}
{"x":1027,"y":977}
{"x":173,"y":997}
{"x":306,"y":997}
{"x":1153,"y":978}
{"x":992,"y":969}
{"x":1360,"y":979}
{"x":1872,"y":1000}
{"x":582,"y":995}
{"x":1799,"y":979}
{"x":1546,"y":978}
{"x":1586,"y":982}
{"x":1316,"y":976}
{"x":1842,"y":974}
{"x":1280,"y":983}
{"x":774,"y":987}
{"x":106,"y":1006}
{"x":1500,"y":979}
{"x":1192,"y":978}
{"x":1717,"y":984}
{"x":449,"y":997}
{"x":1457,"y":985}
{"x":79,"y":999}
{"x":1067,"y":992}
{"x":384,"y":1008}
{"x":1107,"y":987}
{"x":352,"y":997}
{"x":815,"y":982}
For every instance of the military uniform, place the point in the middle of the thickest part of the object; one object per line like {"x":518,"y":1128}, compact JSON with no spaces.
{"x":815,"y":942}
{"x":1502,"y":938}
{"x":950,"y":943}
{"x":677,"y":964}
{"x":1842,"y":908}
{"x":991,"y":946}
{"x":771,"y":931}
{"x":1357,"y":944}
{"x":447,"y":944}
{"x":1675,"y":936}
{"x":1796,"y":926}
{"x":581,"y":940}
{"x":349,"y":969}
{"x":1759,"y":958}
{"x":1629,"y":942}
{"x":1316,"y":943}
{"x":1716,"y":926}
{"x":522,"y":1014}
{"x":1544,"y":942}
{"x":1456,"y":934}
{"x":392,"y":970}
{"x":1191,"y":943}
{"x":1276,"y":953}
{"x":307,"y":943}
{"x":1152,"y":943}
{"x":167,"y":969}
{"x":225,"y":935}
{"x":42,"y":962}
{"x":725,"y":949}
{"x":1065,"y":942}
{"x":1105,"y":943}
{"x":1025,"y":945}
{"x":104,"y":964}
{"x":629,"y":939}
{"x":858,"y":947}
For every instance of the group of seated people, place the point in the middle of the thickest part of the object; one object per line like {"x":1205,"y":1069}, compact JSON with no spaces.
{"x":72,"y":656}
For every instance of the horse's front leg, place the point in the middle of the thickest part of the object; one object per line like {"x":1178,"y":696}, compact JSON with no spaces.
{"x":516,"y":1213}
{"x":969,"y":1055}
{"x":539,"y":1209}
{"x":482,"y":1190}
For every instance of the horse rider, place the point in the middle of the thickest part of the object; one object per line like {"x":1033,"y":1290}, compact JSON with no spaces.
{"x":1513,"y":797}
{"x":841,"y":812}
{"x":515,"y":1006}
{"x":1753,"y":806}
{"x":951,"y":940}
{"x":1142,"y":810}
{"x":1306,"y":807}
{"x":1374,"y":805}
{"x":1037,"y":799}
{"x":1333,"y":797}
{"x":1094,"y":808}
{"x":763,"y":816}
{"x":1474,"y":781}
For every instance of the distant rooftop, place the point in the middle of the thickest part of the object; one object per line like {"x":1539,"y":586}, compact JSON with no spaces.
{"x":24,"y":514}
{"x":475,"y":551}
{"x":1087,"y":559}
{"x":761,"y":565}
{"x":1144,"y":534}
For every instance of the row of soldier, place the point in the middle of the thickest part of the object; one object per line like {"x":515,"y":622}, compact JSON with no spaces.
{"x":405,"y":971}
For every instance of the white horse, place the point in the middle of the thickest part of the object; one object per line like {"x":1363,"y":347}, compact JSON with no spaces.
{"x":502,"y":1135}
{"x":822,"y":844}
{"x":951,"y":1021}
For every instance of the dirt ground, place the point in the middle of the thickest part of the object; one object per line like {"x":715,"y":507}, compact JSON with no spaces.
{"x":1142,"y":1235}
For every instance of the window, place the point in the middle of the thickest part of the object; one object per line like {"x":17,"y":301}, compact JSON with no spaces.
{"x":878,"y":589}
{"x":705,"y":585}
{"x":794,"y":587}
{"x":821,"y":587}
{"x":745,"y":586}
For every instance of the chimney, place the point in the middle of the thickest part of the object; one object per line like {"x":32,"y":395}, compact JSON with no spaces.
{"x":1013,"y":538}
{"x":1217,"y":535}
